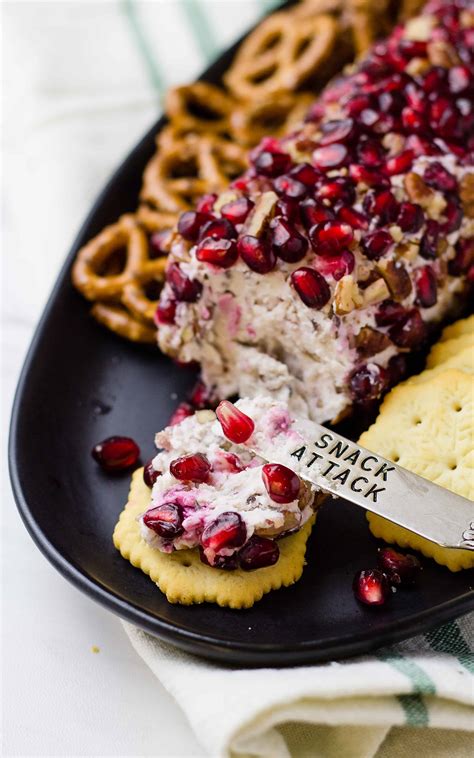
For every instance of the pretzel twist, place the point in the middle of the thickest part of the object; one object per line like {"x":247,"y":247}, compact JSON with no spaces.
{"x":188,"y":168}
{"x":281,"y":54}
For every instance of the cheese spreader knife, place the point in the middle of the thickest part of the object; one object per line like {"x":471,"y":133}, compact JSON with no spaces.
{"x":347,"y":470}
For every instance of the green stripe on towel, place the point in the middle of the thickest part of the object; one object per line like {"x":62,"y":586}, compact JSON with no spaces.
{"x":201,"y":28}
{"x":416,"y":712}
{"x":153,"y":69}
{"x":448,"y":639}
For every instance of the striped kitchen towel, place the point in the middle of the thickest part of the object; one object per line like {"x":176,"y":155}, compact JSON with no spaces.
{"x":88,"y":83}
{"x":354,"y":708}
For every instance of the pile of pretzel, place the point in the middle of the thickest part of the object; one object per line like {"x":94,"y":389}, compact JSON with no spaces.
{"x":275,"y":75}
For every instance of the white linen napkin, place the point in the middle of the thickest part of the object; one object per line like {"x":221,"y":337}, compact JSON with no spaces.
{"x":84,"y":81}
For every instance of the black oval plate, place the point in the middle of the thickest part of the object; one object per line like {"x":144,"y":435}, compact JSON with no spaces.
{"x":80,"y":384}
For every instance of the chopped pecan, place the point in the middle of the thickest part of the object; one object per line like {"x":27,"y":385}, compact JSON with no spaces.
{"x":261,"y":215}
{"x":419,"y":28}
{"x":441,"y":53}
{"x":370,"y":342}
{"x":466,"y":194}
{"x":347,"y":295}
{"x":376,"y":292}
{"x":407,"y":250}
{"x":417,"y":190}
{"x":397,"y":278}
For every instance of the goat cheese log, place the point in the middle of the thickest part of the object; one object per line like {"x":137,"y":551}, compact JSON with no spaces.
{"x":331,"y":256}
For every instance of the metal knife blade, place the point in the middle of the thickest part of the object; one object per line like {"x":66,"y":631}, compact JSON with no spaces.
{"x":347,"y":470}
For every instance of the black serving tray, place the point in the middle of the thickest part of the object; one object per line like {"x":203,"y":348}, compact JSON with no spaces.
{"x":80,"y":384}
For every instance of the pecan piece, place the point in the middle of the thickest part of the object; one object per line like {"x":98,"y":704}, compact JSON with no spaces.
{"x":441,"y":53}
{"x":417,"y":190}
{"x":261,"y":215}
{"x":397,"y":278}
{"x":466,"y":193}
{"x":370,"y":342}
{"x":347,"y":295}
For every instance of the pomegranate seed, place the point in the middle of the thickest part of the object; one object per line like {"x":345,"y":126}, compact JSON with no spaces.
{"x":412,"y":121}
{"x":288,"y":186}
{"x":306,"y":174}
{"x":371,"y":587}
{"x":381,"y":204}
{"x":454,"y":215}
{"x":342,"y":130}
{"x":434,"y":80}
{"x":443,"y":117}
{"x":257,"y":254}
{"x":190,"y":223}
{"x":165,"y":312}
{"x":205,"y":204}
{"x":337,"y":190}
{"x":166,"y":520}
{"x":400,"y":568}
{"x":355,"y":105}
{"x":368,"y":382}
{"x":218,"y":229}
{"x":410,"y":332}
{"x":224,"y":562}
{"x":400,"y":163}
{"x":429,"y":240}
{"x":370,"y":153}
{"x":390,"y":102}
{"x":412,"y":48}
{"x":311,"y":287}
{"x":420,"y":146}
{"x":150,"y":474}
{"x":371,"y":178}
{"x":330,"y":156}
{"x":116,"y":453}
{"x":226,"y":531}
{"x":329,"y":238}
{"x":314,"y":213}
{"x":259,"y":552}
{"x":315,"y":113}
{"x":182,"y":411}
{"x":272,"y":163}
{"x":237,"y":210}
{"x":390,"y":313}
{"x":288,"y":244}
{"x":237,"y":426}
{"x":426,"y":290}
{"x":369,"y":117}
{"x":410,"y":217}
{"x":191,"y":468}
{"x":158,"y":242}
{"x":375,"y":244}
{"x":415,"y":97}
{"x":354,"y":218}
{"x":397,"y":369}
{"x":187,"y":290}
{"x":281,"y":483}
{"x":219,"y":252}
{"x":199,"y":396}
{"x":438,"y":177}
{"x":464,"y":258}
{"x":336,"y":266}
{"x":459,"y":78}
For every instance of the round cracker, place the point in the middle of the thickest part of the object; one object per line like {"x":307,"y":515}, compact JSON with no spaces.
{"x":428,"y":429}
{"x":442,"y":351}
{"x":185,"y":579}
{"x":463,"y":326}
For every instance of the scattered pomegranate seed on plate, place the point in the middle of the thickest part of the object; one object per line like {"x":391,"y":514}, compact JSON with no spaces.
{"x":116,"y":453}
{"x":372,"y":587}
{"x":400,"y":568}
